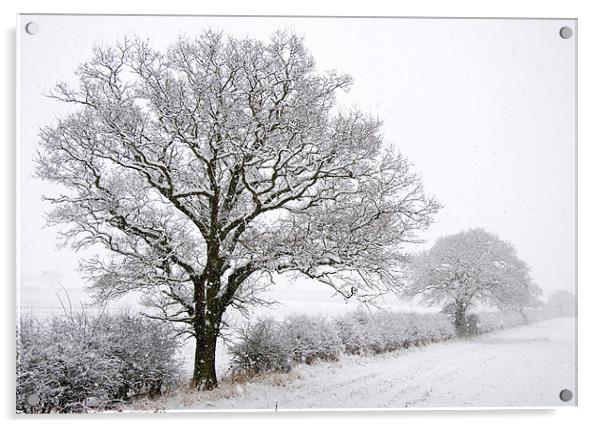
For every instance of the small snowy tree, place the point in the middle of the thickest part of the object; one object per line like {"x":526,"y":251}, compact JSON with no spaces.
{"x":561,"y":303}
{"x":219,"y":160}
{"x":471,"y":267}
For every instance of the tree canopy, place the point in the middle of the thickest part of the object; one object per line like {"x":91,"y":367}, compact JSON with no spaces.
{"x":202,"y":167}
{"x":468,"y":268}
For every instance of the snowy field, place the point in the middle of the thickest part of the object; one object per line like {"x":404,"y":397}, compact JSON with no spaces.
{"x":521,"y":367}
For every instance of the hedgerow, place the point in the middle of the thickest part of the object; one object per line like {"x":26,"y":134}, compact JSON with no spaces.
{"x":77,"y":362}
{"x":270,"y":345}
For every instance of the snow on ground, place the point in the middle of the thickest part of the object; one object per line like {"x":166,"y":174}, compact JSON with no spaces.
{"x":522,"y":367}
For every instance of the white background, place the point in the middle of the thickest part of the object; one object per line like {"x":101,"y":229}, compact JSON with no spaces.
{"x":590,"y":35}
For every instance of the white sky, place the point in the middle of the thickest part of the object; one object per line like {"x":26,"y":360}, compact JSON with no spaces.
{"x":484,"y":109}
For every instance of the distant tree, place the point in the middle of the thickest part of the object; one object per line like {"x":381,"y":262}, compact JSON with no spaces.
{"x":214,"y":163}
{"x":468,"y":268}
{"x":522,"y":298}
{"x":561,"y":303}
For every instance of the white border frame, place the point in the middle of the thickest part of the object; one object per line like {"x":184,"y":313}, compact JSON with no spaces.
{"x":589,"y":174}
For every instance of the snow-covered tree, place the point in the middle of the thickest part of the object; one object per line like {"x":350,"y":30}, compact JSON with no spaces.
{"x":209,"y":165}
{"x":468,"y":268}
{"x":561,"y":303}
{"x":526,"y":295}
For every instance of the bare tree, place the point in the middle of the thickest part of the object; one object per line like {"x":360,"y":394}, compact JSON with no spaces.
{"x":205,"y":167}
{"x":469,"y":268}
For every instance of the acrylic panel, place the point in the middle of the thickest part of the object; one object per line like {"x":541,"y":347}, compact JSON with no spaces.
{"x":233,"y":213}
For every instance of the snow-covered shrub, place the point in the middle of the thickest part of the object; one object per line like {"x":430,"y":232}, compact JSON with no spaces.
{"x":60,"y":365}
{"x":387,"y":332}
{"x":66,"y":364}
{"x":394,"y":330}
{"x":308,"y":338}
{"x":414,"y":328}
{"x":358,"y":332}
{"x":261,"y":348}
{"x":362,"y":332}
{"x":491,"y":321}
{"x":276,"y":345}
{"x":147,"y":353}
{"x":436,"y":327}
{"x":352,"y":331}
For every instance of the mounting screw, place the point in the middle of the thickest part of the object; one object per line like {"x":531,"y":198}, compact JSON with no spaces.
{"x":566,"y":395}
{"x":32,"y":28}
{"x":566,"y":32}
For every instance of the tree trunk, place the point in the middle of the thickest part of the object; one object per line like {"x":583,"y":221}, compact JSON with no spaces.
{"x":204,"y":375}
{"x":460,"y":321}
{"x":207,"y":323}
{"x":210,"y":305}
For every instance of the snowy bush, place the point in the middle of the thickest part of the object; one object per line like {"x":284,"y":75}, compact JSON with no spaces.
{"x":272,"y":345}
{"x":147,"y":351}
{"x":308,"y":339}
{"x":436,"y":327}
{"x":261,"y":348}
{"x":384,"y":331}
{"x":356,"y":331}
{"x":66,"y":364}
{"x":362,"y":332}
{"x":491,"y":321}
{"x":60,"y":365}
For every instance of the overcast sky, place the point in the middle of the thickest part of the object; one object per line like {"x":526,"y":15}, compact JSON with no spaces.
{"x":484,"y":109}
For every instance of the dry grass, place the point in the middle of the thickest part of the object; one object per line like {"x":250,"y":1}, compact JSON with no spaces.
{"x":230,"y":386}
{"x":276,"y":378}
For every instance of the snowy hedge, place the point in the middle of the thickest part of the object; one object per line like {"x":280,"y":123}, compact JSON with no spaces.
{"x":486,"y":322}
{"x":261,"y":348}
{"x":68,"y":364}
{"x":268,"y":345}
{"x":276,"y":345}
{"x":309,"y":338}
{"x":272,"y":345}
{"x":385,"y":331}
